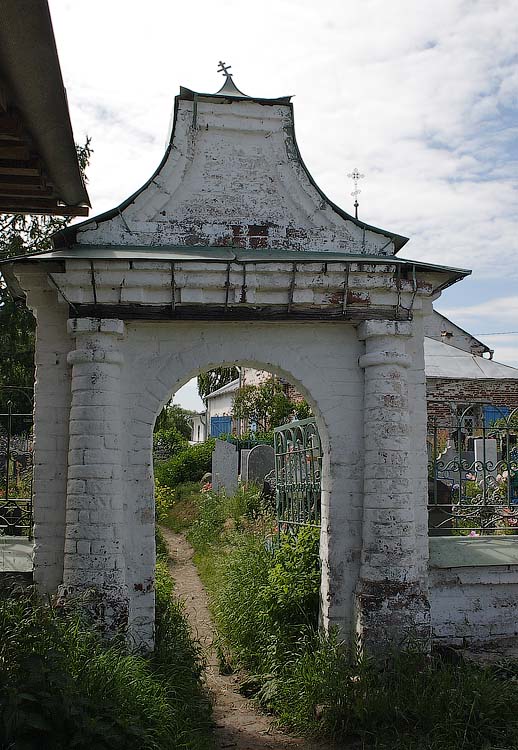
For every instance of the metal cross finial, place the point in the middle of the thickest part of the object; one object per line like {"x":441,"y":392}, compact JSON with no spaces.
{"x":355,"y":176}
{"x":224,"y":68}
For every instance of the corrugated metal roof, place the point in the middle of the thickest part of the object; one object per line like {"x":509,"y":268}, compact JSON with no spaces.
{"x":445,"y":361}
{"x":228,"y":388}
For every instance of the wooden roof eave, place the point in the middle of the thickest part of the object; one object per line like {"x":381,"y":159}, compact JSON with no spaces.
{"x":39,"y":169}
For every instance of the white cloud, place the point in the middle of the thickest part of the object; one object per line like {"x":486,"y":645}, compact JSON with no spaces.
{"x":503,"y":310}
{"x":187,"y":397}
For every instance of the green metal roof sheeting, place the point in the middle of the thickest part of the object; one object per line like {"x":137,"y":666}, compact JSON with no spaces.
{"x":224,"y":254}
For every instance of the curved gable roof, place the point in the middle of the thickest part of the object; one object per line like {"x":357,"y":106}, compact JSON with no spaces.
{"x":232,"y":176}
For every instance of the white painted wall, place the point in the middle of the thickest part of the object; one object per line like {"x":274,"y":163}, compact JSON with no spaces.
{"x":199,"y":428}
{"x":474,"y":604}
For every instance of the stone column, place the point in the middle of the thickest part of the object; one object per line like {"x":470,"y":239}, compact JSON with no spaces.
{"x":94,"y":566}
{"x":392,"y":607}
{"x":51,"y":415}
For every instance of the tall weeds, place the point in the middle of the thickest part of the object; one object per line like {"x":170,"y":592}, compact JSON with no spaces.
{"x":62,"y":686}
{"x":265,"y":605}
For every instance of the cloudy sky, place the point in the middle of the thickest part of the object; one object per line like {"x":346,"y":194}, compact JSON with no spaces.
{"x":421,"y":96}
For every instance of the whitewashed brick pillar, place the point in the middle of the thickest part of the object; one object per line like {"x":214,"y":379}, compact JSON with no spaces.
{"x":94,"y":566}
{"x":392,"y":606}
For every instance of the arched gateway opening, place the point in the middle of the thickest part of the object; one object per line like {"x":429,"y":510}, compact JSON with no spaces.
{"x":161,"y":358}
{"x":230,"y":253}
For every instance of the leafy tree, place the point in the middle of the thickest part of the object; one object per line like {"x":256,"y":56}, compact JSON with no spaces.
{"x":303,"y":410}
{"x":21,"y":234}
{"x":213,"y":379}
{"x":265,"y":404}
{"x":174,"y":417}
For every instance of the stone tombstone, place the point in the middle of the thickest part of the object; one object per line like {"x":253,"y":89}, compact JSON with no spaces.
{"x":261,"y":460}
{"x":224,"y":467}
{"x":486,"y":455}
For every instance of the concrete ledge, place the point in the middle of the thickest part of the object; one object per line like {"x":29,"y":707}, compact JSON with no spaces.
{"x":464,"y":551}
{"x":15,"y":554}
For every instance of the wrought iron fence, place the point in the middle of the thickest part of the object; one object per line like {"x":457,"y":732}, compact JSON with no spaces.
{"x":298,"y":475}
{"x":473,"y":470}
{"x":15,"y":463}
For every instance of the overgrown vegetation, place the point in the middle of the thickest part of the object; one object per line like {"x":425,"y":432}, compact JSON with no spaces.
{"x":62,"y":686}
{"x":264,"y":601}
{"x":172,"y":432}
{"x":189,"y":465}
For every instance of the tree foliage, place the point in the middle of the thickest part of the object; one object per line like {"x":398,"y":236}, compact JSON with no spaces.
{"x":213,"y":379}
{"x":267,"y":405}
{"x":21,"y":234}
{"x":174,"y":417}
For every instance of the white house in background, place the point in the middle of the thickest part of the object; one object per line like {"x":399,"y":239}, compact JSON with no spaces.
{"x":198,"y":427}
{"x":217,"y":419}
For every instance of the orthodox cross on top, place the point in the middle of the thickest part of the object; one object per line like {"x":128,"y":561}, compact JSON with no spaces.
{"x":223,"y":68}
{"x":355,"y":176}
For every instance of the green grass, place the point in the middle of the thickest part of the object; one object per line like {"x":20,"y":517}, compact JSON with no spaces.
{"x":62,"y":686}
{"x":182,"y":511}
{"x":263,"y":604}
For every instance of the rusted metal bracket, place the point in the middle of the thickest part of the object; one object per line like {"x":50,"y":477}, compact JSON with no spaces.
{"x":124,"y":221}
{"x":292,"y":286}
{"x":243,"y":286}
{"x":92,"y":275}
{"x":173,"y":287}
{"x":346,"y":288}
{"x":227,"y":285}
{"x":61,"y":292}
{"x":398,"y":287}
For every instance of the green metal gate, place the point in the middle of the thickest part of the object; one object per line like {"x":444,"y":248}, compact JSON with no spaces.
{"x":298,"y":475}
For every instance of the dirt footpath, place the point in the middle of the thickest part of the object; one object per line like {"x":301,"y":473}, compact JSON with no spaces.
{"x":239,"y":725}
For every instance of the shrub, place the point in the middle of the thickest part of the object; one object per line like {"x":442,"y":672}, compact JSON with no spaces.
{"x":168,"y":442}
{"x":187,"y":466}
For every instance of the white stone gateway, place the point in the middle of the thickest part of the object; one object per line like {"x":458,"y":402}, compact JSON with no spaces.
{"x":231,"y":254}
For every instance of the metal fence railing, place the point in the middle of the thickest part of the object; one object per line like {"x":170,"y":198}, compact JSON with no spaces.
{"x":16,"y":461}
{"x":473,"y":470}
{"x":298,"y":475}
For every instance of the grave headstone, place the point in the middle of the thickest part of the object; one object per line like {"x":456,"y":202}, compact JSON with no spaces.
{"x":245,"y":452}
{"x":261,"y":460}
{"x":224,"y":467}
